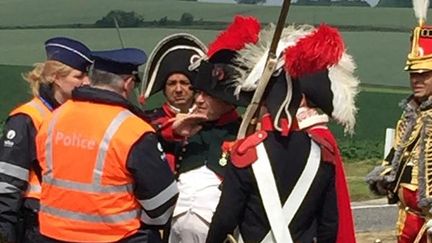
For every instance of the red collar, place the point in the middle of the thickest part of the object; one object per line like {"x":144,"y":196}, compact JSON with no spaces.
{"x":228,"y":117}
{"x":267,"y":124}
{"x":168,"y":110}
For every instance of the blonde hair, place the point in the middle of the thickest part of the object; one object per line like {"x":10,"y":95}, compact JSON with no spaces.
{"x":45,"y":73}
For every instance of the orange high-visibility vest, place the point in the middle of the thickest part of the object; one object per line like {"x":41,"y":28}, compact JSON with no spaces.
{"x":37,"y":111}
{"x":87,"y":191}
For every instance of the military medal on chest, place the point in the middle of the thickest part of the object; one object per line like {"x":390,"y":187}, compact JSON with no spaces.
{"x":226,"y":150}
{"x":224,"y":159}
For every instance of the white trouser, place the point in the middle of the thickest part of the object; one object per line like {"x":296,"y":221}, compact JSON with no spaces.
{"x":188,"y":228}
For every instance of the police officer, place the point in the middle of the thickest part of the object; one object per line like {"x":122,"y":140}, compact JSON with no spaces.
{"x":51,"y":83}
{"x":169,"y":69}
{"x":281,"y":179}
{"x":104,"y":174}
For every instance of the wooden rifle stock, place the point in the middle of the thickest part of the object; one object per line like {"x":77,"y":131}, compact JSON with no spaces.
{"x":252,"y":114}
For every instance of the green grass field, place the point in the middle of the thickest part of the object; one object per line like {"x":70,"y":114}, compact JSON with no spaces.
{"x":380,"y":55}
{"x":377,"y":110}
{"x":355,"y":173}
{"x":49,"y":12}
{"x":13,"y":89}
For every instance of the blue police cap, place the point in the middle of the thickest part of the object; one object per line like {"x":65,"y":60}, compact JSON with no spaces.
{"x":120,"y":61}
{"x":70,"y":52}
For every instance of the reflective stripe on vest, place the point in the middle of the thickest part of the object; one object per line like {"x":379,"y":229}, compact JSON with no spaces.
{"x":87,"y":191}
{"x":14,"y":171}
{"x":163,"y":196}
{"x":95,"y":186}
{"x":161,"y":220}
{"x":34,"y":189}
{"x":39,"y":106}
{"x":113,"y":218}
{"x":37,"y":111}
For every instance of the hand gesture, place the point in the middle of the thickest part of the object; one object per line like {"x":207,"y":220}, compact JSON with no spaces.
{"x":186,"y":125}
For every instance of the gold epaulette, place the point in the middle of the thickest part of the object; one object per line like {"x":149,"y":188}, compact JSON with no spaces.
{"x":427,"y":149}
{"x":401,"y":128}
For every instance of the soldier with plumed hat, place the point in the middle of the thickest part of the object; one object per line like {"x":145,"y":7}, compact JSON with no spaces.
{"x":51,"y":83}
{"x":169,"y":69}
{"x":405,"y":174}
{"x":100,"y":160}
{"x":282,"y":179}
{"x":210,"y":132}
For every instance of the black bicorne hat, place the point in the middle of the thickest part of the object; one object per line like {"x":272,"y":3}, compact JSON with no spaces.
{"x":216,"y":75}
{"x":174,"y":54}
{"x":215,"y":79}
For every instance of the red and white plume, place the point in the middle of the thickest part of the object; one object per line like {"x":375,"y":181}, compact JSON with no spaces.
{"x":420,"y":10}
{"x":252,"y":58}
{"x":324,"y":49}
{"x":243,"y":30}
{"x":301,"y":50}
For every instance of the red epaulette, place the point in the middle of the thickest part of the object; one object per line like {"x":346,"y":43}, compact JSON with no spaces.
{"x":244,"y":152}
{"x":328,"y":153}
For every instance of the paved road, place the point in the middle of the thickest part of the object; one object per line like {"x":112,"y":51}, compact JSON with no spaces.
{"x":375,"y":215}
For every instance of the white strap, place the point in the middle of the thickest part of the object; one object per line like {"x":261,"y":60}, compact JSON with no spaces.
{"x":301,"y":188}
{"x":270,"y":197}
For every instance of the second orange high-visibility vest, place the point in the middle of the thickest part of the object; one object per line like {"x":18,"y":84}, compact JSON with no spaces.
{"x":37,"y":111}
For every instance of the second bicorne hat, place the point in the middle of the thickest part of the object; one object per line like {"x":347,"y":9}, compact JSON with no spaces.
{"x":217,"y":73}
{"x":174,"y":54}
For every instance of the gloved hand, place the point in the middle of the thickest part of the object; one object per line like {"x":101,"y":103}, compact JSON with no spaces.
{"x":378,"y":181}
{"x":429,"y":227}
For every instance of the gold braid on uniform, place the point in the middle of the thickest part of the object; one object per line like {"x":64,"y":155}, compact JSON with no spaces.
{"x":425,"y":156}
{"x":406,"y":132}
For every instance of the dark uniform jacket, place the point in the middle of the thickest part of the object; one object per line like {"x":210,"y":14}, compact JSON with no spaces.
{"x":20,"y":153}
{"x":206,"y":147}
{"x":158,"y":117}
{"x":240,"y":203}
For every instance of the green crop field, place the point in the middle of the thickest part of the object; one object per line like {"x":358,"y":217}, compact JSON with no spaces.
{"x":380,"y":55}
{"x":377,"y":110}
{"x":49,"y":12}
{"x":13,"y":89}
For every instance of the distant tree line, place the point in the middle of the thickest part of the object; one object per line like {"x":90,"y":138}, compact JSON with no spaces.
{"x":132,"y":19}
{"x":250,"y":1}
{"x":395,"y":3}
{"x":124,"y":19}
